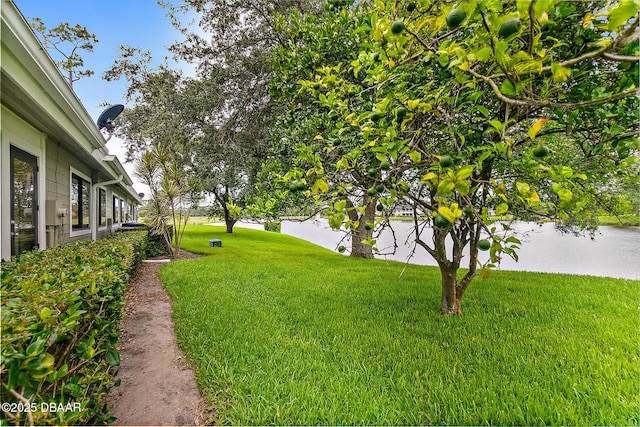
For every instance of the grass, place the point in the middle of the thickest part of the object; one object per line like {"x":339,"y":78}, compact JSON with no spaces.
{"x":621,"y":220}
{"x":284,"y":332}
{"x":200,"y":220}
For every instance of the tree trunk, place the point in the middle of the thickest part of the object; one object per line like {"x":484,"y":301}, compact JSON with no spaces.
{"x":229,"y":221}
{"x":451,"y":298}
{"x":359,"y":249}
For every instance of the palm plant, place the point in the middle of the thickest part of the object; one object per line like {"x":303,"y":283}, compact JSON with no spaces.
{"x":173,"y":192}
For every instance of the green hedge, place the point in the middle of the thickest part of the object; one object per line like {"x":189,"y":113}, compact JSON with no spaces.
{"x":61,"y":313}
{"x":156,"y":244}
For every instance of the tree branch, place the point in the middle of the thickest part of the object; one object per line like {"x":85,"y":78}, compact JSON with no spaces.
{"x":538,"y":103}
{"x":620,"y":58}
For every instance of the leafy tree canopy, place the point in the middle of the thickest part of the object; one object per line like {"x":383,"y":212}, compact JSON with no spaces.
{"x":524,"y":108}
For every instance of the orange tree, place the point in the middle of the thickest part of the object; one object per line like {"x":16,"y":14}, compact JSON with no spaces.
{"x":307,"y":77}
{"x":471,"y":110}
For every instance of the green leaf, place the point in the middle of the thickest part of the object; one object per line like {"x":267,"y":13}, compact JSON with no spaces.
{"x":502,"y":208}
{"x":560,"y":73}
{"x":428,"y":177}
{"x":43,"y":368}
{"x":496,"y":124}
{"x":415,"y":156}
{"x":89,"y":353}
{"x":62,"y":371}
{"x":112,"y":357}
{"x":616,"y":129}
{"x":483,"y":54}
{"x":565,"y":195}
{"x":566,"y":171}
{"x":500,"y":51}
{"x":412,"y":103}
{"x":446,"y":186}
{"x":620,"y":14}
{"x":484,"y":110}
{"x":35,"y":348}
{"x":334,"y":222}
{"x":45,"y":313}
{"x":449,"y":214}
{"x":464,"y":172}
{"x":463,"y":187}
{"x":443,"y":60}
{"x":512,"y":239}
{"x":523,"y":188}
{"x":47,"y":361}
{"x":507,"y":88}
{"x":320,"y":185}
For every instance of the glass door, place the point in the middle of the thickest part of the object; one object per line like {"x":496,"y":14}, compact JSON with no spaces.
{"x":24,"y":201}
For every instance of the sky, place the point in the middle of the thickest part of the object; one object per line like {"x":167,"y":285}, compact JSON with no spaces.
{"x":137,"y":23}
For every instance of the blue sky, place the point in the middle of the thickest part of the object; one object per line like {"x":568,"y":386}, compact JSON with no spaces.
{"x":138,"y":23}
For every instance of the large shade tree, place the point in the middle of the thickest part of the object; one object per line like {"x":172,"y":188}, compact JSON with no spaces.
{"x":162,"y":140}
{"x":182,"y":116}
{"x":230,"y":49}
{"x":483,"y":108}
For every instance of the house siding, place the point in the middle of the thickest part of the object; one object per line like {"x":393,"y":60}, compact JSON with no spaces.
{"x":61,"y":164}
{"x":43,"y":118}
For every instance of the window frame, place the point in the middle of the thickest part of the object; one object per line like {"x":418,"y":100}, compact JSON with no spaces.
{"x":84,"y":190}
{"x":102,"y":207}
{"x":115,"y":213}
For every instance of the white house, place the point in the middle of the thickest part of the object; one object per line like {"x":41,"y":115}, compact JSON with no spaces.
{"x":59,"y":182}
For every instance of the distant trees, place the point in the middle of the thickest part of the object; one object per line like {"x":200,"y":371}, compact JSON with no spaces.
{"x":67,"y":41}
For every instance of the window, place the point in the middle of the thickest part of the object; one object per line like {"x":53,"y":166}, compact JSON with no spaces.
{"x":80,"y":202}
{"x":102,"y":207}
{"x":24,"y":200}
{"x":121,"y":212}
{"x":116,"y":209}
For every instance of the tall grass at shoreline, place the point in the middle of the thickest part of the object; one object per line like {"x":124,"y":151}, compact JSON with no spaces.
{"x":284,"y":332}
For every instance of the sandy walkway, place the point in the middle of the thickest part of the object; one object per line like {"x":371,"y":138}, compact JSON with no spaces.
{"x":157,"y":388}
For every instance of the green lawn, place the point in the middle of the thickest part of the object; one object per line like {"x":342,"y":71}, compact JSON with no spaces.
{"x":284,"y":332}
{"x":622,"y":220}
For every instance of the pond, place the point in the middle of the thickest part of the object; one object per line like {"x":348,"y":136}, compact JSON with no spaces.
{"x":615,"y":251}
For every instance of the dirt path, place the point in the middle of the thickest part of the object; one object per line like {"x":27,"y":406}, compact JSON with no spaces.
{"x":157,"y":388}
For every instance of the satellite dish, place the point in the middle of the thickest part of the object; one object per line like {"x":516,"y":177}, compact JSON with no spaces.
{"x":106,"y":118}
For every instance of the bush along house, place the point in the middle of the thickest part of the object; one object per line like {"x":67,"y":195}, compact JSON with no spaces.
{"x":59,"y":182}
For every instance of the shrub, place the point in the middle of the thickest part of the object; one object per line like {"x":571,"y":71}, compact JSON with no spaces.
{"x":157,"y":243}
{"x":61,"y":312}
{"x":274,"y":226}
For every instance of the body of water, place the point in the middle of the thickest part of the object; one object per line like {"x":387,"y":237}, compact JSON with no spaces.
{"x":615,"y":251}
